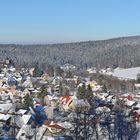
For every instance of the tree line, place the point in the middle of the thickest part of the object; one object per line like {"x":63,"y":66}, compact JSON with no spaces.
{"x":123,"y":52}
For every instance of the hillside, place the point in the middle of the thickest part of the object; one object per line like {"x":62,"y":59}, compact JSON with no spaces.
{"x":123,"y":52}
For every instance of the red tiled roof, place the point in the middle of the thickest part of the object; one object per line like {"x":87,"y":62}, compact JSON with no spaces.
{"x":65,"y":99}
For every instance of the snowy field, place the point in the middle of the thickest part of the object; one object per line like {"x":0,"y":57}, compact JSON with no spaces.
{"x":130,"y":73}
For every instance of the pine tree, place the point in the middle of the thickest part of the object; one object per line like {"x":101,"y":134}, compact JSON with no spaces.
{"x":89,"y":94}
{"x":27,"y":102}
{"x":81,"y":92}
{"x":59,"y":71}
{"x":78,"y":81}
{"x":60,"y":88}
{"x":50,"y":71}
{"x":104,"y":89}
{"x":37,"y":72}
{"x":138,"y":80}
{"x":43,"y":92}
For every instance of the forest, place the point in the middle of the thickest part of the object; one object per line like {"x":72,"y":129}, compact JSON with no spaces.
{"x":123,"y":52}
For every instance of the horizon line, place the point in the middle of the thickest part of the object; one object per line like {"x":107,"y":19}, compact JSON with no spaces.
{"x":68,"y":42}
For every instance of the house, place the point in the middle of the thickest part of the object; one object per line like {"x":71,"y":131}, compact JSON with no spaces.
{"x":130,"y":104}
{"x":104,"y":109}
{"x":25,"y":92}
{"x":27,"y":83}
{"x":91,"y":70}
{"x":68,"y":102}
{"x":4,"y":118}
{"x":22,"y":119}
{"x":6,"y":107}
{"x":110,"y":98}
{"x":31,"y":70}
{"x":25,"y":132}
{"x":102,"y":96}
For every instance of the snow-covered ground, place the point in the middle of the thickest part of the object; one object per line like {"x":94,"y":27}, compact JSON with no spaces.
{"x":130,"y":73}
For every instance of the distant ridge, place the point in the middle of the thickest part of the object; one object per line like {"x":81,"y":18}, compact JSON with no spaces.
{"x":122,"y":51}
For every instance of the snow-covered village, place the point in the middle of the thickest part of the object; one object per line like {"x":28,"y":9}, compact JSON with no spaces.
{"x":62,"y":104}
{"x":69,"y":69}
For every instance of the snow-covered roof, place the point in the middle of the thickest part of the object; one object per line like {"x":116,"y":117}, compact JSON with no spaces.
{"x":12,"y":68}
{"x":129,"y":103}
{"x":4,"y":117}
{"x":96,"y":88}
{"x":125,"y":95}
{"x":31,"y":88}
{"x":26,"y":118}
{"x":1,"y":75}
{"x":35,"y":91}
{"x":66,"y":125}
{"x":138,"y":105}
{"x":137,"y":85}
{"x":7,"y":107}
{"x":25,"y":129}
{"x":27,"y":83}
{"x":52,"y":97}
{"x":21,"y":111}
{"x":41,"y":131}
{"x":22,"y":120}
{"x":103,"y":95}
{"x":109,"y":98}
{"x":102,"y":109}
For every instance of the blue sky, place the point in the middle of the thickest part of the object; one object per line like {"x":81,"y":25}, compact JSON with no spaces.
{"x":55,"y":21}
